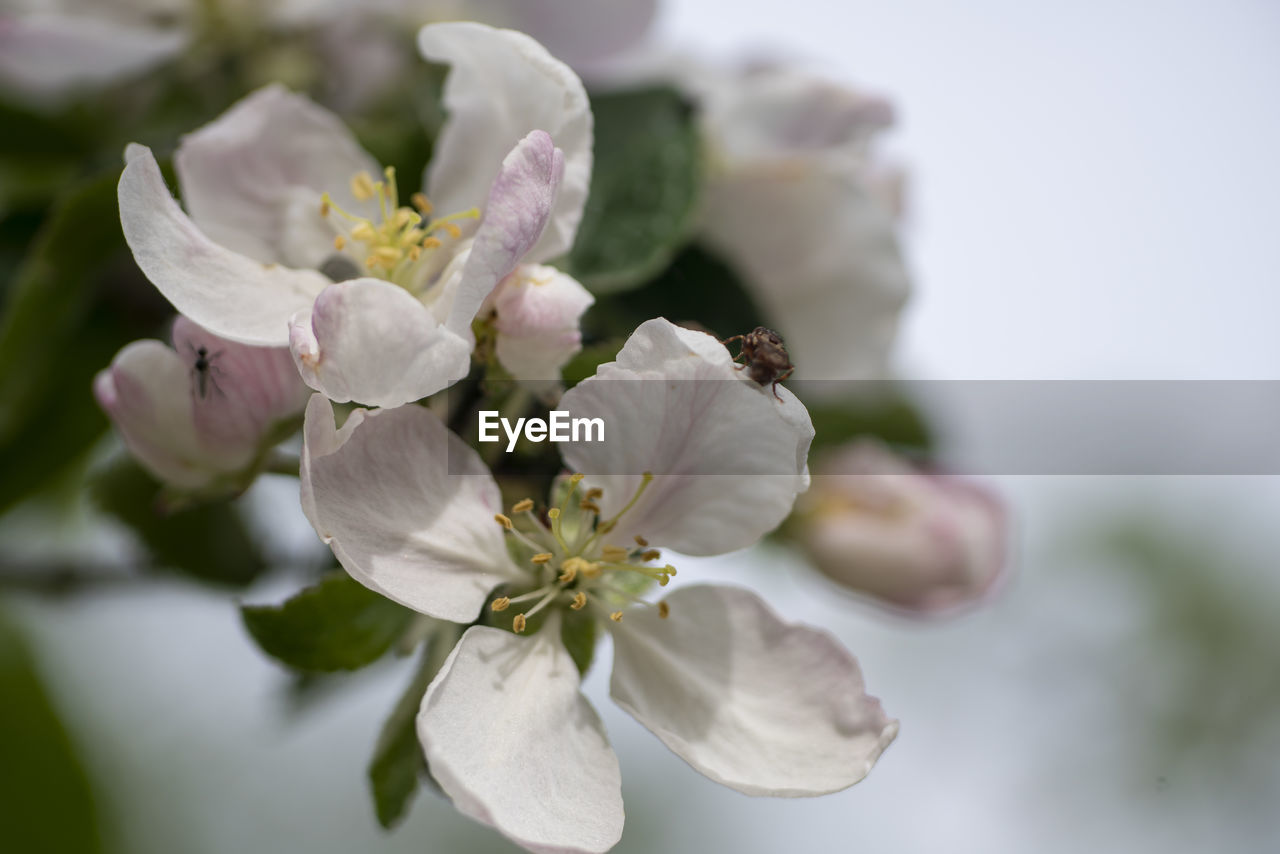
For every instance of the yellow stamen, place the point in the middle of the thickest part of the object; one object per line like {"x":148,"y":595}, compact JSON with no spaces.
{"x":415,"y":253}
{"x":324,"y":208}
{"x":542,"y":557}
{"x":613,"y":553}
{"x":641,"y":541}
{"x":589,"y":505}
{"x":364,"y":233}
{"x":616,"y":616}
{"x":594,"y":492}
{"x":431,"y":243}
{"x":504,"y":521}
{"x":421,"y":202}
{"x":651,"y":554}
{"x":664,"y":610}
{"x":501,"y":604}
{"x":362,"y":186}
{"x":522,"y":506}
{"x":579,"y":601}
{"x":519,"y":623}
{"x":388,"y":255}
{"x":452,"y":229}
{"x":567,"y":574}
{"x":339,"y":242}
{"x":576,"y":478}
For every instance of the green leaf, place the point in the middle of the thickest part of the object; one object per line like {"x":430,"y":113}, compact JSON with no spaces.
{"x":644,"y":188}
{"x":697,"y":289}
{"x":208,"y":542}
{"x":578,"y":631}
{"x":337,"y":624}
{"x":892,"y":418}
{"x":46,"y":801}
{"x":588,"y":359}
{"x":398,"y":764}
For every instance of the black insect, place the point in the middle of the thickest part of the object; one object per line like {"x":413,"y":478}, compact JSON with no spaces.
{"x":204,"y":371}
{"x":764,"y":356}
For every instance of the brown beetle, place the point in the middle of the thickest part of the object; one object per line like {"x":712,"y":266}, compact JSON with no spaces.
{"x":765,"y":356}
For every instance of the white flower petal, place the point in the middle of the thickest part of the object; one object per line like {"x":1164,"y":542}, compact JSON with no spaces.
{"x":239,"y":173}
{"x":503,"y":85}
{"x":573,"y":30}
{"x":44,"y":56}
{"x":227,"y":293}
{"x":512,"y":741}
{"x":917,"y":542}
{"x":147,"y":394}
{"x":370,"y":341}
{"x":728,"y":457}
{"x":759,"y":705}
{"x":244,"y":392}
{"x":820,"y":253}
{"x":538,"y":314}
{"x":519,"y":208}
{"x":406,"y":507}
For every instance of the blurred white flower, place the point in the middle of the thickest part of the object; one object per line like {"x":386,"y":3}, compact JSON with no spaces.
{"x":795,"y":200}
{"x":291,"y":239}
{"x":202,"y":414}
{"x":762,"y":706}
{"x":913,"y":541}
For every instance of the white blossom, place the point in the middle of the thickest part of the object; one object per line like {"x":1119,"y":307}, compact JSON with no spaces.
{"x":752,"y":702}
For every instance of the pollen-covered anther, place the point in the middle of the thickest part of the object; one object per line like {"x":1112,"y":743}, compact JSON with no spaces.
{"x":567,"y":574}
{"x":388,"y":255}
{"x":518,"y":624}
{"x":522,"y":506}
{"x":422,"y":203}
{"x":664,"y":610}
{"x":613,"y":553}
{"x":589,"y":505}
{"x":362,"y":186}
{"x":616,"y":616}
{"x":364,"y":232}
{"x":579,"y":601}
{"x":452,"y":229}
{"x":607,"y":526}
{"x":501,"y":604}
{"x":542,"y":557}
{"x":651,"y":554}
{"x":504,"y":521}
{"x":641,"y":542}
{"x":339,"y":242}
{"x":324,"y":208}
{"x":593,"y":493}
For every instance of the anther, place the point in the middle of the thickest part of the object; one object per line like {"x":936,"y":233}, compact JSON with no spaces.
{"x":664,"y":610}
{"x":501,"y":604}
{"x":589,"y":505}
{"x":431,"y":243}
{"x":616,"y":616}
{"x":542,"y":557}
{"x":362,"y":186}
{"x":504,"y":521}
{"x":607,"y":526}
{"x":518,"y":623}
{"x":453,"y":230}
{"x":568,"y":573}
{"x":613,"y":553}
{"x":364,"y":233}
{"x":324,"y":208}
{"x":524,"y":505}
{"x":593,"y":493}
{"x":339,"y":242}
{"x":421,"y":202}
{"x":641,"y":541}
{"x":388,"y":255}
{"x":579,"y":601}
{"x":651,"y":554}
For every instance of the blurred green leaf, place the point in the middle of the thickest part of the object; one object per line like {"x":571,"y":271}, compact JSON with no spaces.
{"x":337,"y":624}
{"x":208,"y":542}
{"x":697,"y":289}
{"x":578,"y":632}
{"x":644,"y":188}
{"x":46,"y":801}
{"x":589,"y":358}
{"x":889,"y":417}
{"x":398,"y":764}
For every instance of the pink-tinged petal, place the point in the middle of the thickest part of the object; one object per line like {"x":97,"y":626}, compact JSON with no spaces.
{"x":50,"y":56}
{"x":572,"y":30}
{"x":370,"y":341}
{"x":537,"y":312}
{"x":519,"y":208}
{"x":252,"y":178}
{"x":503,"y":85}
{"x":147,"y":394}
{"x":917,"y":543}
{"x":515,"y":745}
{"x":406,"y":507}
{"x":819,"y":251}
{"x":759,"y":705}
{"x":231,"y":295}
{"x":728,"y":456}
{"x":244,"y":391}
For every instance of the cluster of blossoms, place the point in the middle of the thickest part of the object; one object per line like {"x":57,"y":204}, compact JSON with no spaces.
{"x":296,"y":261}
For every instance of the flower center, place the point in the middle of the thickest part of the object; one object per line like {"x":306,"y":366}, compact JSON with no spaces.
{"x":573,"y":568}
{"x":397,"y":245}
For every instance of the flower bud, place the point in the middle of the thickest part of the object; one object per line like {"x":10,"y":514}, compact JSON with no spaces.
{"x":538,"y":310}
{"x":913,"y":541}
{"x":199,"y":415}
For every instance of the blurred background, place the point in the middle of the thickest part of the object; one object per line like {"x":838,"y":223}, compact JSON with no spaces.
{"x":1092,"y":195}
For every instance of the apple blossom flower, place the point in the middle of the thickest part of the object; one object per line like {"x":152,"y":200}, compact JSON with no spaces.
{"x":289,"y":238}
{"x":915,"y":542}
{"x":702,"y":461}
{"x":201,"y":415}
{"x":795,"y":200}
{"x":537,"y":312}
